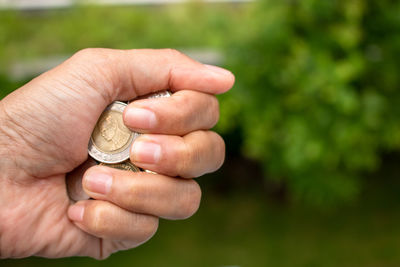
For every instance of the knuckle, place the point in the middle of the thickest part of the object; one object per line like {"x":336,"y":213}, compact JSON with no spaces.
{"x":214,"y":110}
{"x":185,"y":112}
{"x":149,"y":228}
{"x":95,"y":66}
{"x":134,"y":198}
{"x":88,"y":53}
{"x":192,"y":199}
{"x":219,"y":151}
{"x":184,"y":99}
{"x":189,"y":157}
{"x":97,"y":58}
{"x":97,"y":222}
{"x":172,"y":52}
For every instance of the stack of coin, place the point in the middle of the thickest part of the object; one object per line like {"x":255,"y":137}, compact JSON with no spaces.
{"x":111,"y":140}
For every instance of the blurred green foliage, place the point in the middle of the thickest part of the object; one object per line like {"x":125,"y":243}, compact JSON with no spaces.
{"x":317,"y":96}
{"x":316,"y":99}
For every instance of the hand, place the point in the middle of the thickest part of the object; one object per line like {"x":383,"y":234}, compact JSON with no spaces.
{"x":45,"y":129}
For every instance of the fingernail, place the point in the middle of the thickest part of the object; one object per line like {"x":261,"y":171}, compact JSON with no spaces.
{"x":140,"y":118}
{"x":146,"y":152}
{"x":75,"y":212}
{"x":218,"y":70}
{"x":98,"y":183}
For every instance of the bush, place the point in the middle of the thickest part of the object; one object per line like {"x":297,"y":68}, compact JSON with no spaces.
{"x":317,"y":96}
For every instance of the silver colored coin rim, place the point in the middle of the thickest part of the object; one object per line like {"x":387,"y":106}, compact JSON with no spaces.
{"x":112,"y":158}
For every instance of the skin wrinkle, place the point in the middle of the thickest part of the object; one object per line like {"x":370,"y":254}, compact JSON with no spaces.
{"x":170,"y":81}
{"x":132,"y":86}
{"x":191,"y":203}
{"x":71,"y":93}
{"x":57,"y":146}
{"x":13,"y":118}
{"x":186,"y":159}
{"x":3,"y":124}
{"x":103,"y":68}
{"x":118,"y":84}
{"x":71,"y":246}
{"x":28,"y":143}
{"x":61,"y":226}
{"x":197,"y":154}
{"x":19,"y":214}
{"x":60,"y":232}
{"x":214,"y":113}
{"x":18,"y":171}
{"x":77,"y":88}
{"x":183,"y":100}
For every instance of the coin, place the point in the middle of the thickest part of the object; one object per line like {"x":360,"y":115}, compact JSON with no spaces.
{"x":111,"y":140}
{"x":125,"y":166}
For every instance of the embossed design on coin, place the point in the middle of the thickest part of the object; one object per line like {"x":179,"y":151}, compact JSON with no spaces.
{"x":110,"y":134}
{"x":125,"y":166}
{"x":111,"y":139}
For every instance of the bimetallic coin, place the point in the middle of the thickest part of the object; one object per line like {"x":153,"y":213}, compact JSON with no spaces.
{"x":111,"y":140}
{"x":125,"y":166}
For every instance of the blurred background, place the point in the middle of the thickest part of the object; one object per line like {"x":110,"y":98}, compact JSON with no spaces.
{"x":312,"y":125}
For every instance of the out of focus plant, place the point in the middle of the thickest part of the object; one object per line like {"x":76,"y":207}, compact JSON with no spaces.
{"x":317,"y":97}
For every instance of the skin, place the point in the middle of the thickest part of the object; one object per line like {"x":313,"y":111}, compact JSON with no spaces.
{"x":45,"y":129}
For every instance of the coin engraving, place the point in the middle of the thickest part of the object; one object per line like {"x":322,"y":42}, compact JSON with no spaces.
{"x":110,"y":133}
{"x":111,"y":139}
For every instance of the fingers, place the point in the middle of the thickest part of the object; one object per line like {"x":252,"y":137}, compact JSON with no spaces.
{"x":158,"y":195}
{"x":183,"y":112}
{"x":106,"y":220}
{"x":126,"y":74}
{"x":190,"y":156}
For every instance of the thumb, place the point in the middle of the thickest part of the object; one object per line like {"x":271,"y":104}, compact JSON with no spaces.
{"x":126,"y":74}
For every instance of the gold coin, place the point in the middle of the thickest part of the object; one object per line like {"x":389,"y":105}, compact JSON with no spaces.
{"x":110,"y":134}
{"x":125,"y":166}
{"x":111,"y":139}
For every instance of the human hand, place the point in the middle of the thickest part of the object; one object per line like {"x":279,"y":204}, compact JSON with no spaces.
{"x":45,"y":129}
